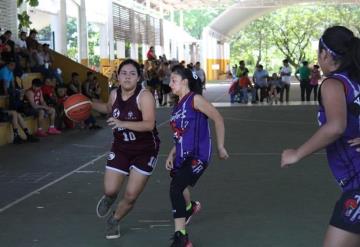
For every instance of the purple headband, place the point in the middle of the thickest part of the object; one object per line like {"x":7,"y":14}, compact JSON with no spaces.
{"x":334,"y":54}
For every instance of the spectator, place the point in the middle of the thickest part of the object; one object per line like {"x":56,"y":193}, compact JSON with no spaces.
{"x":274,"y":88}
{"x":303,"y":76}
{"x":48,"y":91}
{"x":260,"y":80}
{"x":201,"y":74}
{"x":31,"y":41}
{"x":241,"y":69}
{"x":314,"y":81}
{"x":74,"y":86}
{"x":151,"y":54}
{"x":39,"y":108}
{"x":8,"y":53}
{"x":285,"y":73}
{"x":7,"y":77}
{"x":62,"y":120}
{"x":245,"y":87}
{"x":17,"y":122}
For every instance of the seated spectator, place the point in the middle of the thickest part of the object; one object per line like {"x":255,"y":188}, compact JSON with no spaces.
{"x":245,"y":87}
{"x":274,"y":88}
{"x":39,"y":108}
{"x":234,"y":90}
{"x":90,"y":87}
{"x":151,"y":54}
{"x":7,"y":77}
{"x":6,"y":40}
{"x":62,"y":120}
{"x":31,"y":41}
{"x":74,"y":85}
{"x":49,"y":64}
{"x":48,"y":91}
{"x":17,"y":122}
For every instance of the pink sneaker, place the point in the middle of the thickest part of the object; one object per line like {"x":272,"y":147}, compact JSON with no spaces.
{"x":41,"y":133}
{"x":53,"y":131}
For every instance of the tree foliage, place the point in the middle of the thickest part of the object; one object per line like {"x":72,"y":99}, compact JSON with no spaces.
{"x":23,"y":17}
{"x":290,"y":33}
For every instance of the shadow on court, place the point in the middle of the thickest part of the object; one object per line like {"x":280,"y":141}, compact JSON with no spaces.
{"x":247,"y":200}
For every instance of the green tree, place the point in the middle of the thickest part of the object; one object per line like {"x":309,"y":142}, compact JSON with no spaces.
{"x":93,"y":42}
{"x":196,"y":19}
{"x":72,"y":38}
{"x":291,"y":33}
{"x":23,"y":17}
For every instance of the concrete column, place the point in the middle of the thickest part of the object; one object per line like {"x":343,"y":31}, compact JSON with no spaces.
{"x":83,"y":35}
{"x":104,"y":46}
{"x":120,"y":49}
{"x":145,"y":49}
{"x":134,"y":54}
{"x":61,"y":41}
{"x":110,"y":31}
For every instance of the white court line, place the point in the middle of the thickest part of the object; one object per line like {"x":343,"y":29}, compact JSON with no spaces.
{"x":57,"y":180}
{"x":41,"y":178}
{"x":269,"y":121}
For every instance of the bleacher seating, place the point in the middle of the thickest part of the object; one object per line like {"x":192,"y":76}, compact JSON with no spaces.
{"x":6,"y":133}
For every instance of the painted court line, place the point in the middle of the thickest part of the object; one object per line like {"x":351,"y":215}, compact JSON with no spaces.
{"x":270,"y":121}
{"x":37,"y":191}
{"x":50,"y":184}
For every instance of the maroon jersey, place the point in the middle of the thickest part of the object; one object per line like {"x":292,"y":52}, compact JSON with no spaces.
{"x":126,"y":139}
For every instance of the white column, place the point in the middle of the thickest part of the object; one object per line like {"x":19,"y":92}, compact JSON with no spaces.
{"x":13,"y":18}
{"x":120,"y":49}
{"x":110,"y":30}
{"x":145,"y":48}
{"x":61,"y":42}
{"x":134,"y":54}
{"x":104,"y":47}
{"x":83,"y":35}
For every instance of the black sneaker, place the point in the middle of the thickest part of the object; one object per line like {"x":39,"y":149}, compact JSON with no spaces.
{"x":181,"y":240}
{"x":104,"y":205}
{"x":32,"y":138}
{"x":112,"y":228}
{"x":195,"y":208}
{"x":18,"y":140}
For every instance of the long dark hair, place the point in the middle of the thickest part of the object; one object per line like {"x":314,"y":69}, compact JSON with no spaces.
{"x":193,"y":79}
{"x":344,"y":47}
{"x":132,"y":62}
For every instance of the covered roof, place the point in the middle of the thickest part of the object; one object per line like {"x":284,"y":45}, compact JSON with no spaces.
{"x":242,"y":12}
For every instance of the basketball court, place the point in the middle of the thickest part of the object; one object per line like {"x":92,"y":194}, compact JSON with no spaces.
{"x":49,"y":190}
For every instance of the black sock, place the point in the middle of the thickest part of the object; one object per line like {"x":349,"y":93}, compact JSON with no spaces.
{"x":26,"y":130}
{"x":16,"y":132}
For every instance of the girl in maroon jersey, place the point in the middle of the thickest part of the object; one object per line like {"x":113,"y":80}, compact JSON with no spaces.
{"x":135,"y":146}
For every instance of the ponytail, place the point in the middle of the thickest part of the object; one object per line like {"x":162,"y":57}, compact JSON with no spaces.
{"x":193,"y":80}
{"x":354,"y":53}
{"x":344,"y":48}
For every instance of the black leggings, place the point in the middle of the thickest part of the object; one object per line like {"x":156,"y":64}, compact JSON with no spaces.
{"x":187,"y":175}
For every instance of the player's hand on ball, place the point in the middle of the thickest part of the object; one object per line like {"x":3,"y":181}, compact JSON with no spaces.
{"x":115,"y":123}
{"x":223,"y":153}
{"x":355,"y":142}
{"x":288,"y":157}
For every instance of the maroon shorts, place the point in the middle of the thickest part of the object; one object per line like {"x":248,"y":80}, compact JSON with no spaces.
{"x":122,"y":161}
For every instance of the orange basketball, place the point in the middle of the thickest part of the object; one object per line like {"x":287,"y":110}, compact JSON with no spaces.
{"x":77,"y":107}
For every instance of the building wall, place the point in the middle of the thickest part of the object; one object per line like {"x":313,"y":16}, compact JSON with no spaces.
{"x":8,"y":11}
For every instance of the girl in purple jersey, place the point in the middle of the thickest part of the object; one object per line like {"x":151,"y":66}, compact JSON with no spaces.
{"x":191,"y":153}
{"x":135,"y":146}
{"x":339,"y":111}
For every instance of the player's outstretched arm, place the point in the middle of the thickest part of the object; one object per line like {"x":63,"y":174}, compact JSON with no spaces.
{"x":105,"y":107}
{"x":201,"y":104}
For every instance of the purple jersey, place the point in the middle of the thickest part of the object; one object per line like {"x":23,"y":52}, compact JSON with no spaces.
{"x":191,"y":132}
{"x":126,"y":139}
{"x":343,"y":160}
